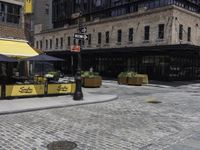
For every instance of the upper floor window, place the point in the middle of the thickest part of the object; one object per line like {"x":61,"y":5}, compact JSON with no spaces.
{"x":180,"y":32}
{"x":146,"y":33}
{"x":130,"y":35}
{"x":9,"y":13}
{"x":189,"y":34}
{"x":41,"y":44}
{"x":37,"y":44}
{"x":51,"y":43}
{"x":75,"y":42}
{"x":61,"y":43}
{"x":68,"y":41}
{"x":161,"y":29}
{"x":89,"y":39}
{"x":99,"y":38}
{"x":57,"y":43}
{"x":107,"y":37}
{"x":119,"y":36}
{"x":47,"y":44}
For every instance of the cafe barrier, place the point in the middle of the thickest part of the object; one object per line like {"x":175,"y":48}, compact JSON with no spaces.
{"x":24,"y":90}
{"x":60,"y":89}
{"x":38,"y":90}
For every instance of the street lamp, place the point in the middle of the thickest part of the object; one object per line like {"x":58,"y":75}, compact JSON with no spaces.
{"x":78,"y":95}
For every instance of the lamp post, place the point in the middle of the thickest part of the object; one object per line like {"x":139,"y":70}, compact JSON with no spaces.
{"x":78,"y":95}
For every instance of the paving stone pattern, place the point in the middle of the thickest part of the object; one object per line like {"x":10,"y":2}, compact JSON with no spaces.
{"x":129,"y":123}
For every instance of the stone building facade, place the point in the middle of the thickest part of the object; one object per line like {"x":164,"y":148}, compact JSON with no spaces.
{"x":163,"y":42}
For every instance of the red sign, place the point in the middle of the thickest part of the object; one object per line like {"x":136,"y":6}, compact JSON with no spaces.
{"x":75,"y":48}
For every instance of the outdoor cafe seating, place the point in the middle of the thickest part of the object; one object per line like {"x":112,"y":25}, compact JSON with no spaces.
{"x":20,"y":82}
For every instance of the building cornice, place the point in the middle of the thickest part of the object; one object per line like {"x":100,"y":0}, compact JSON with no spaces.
{"x":123,"y":17}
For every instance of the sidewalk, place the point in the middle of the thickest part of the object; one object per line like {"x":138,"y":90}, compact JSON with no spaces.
{"x":40,"y":103}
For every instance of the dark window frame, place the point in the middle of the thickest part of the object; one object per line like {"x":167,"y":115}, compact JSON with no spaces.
{"x":119,"y":36}
{"x":146,"y":33}
{"x":68,"y":40}
{"x":189,"y":34}
{"x":107,"y":34}
{"x":89,"y":39}
{"x":99,"y":37}
{"x":61,"y":42}
{"x":180,"y":32}
{"x":130,"y":34}
{"x":161,"y":31}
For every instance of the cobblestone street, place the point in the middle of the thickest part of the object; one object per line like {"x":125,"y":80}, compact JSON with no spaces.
{"x":129,"y":123}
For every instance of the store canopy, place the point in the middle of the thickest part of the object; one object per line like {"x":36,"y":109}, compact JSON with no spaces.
{"x":43,"y":57}
{"x":16,"y":48}
{"x":4,"y":58}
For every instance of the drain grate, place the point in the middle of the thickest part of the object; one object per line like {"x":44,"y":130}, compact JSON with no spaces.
{"x":61,"y":145}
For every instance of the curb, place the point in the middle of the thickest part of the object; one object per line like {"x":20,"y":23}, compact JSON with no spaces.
{"x":59,"y":106}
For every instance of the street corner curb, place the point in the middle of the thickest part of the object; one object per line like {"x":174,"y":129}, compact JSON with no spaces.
{"x":74,"y":103}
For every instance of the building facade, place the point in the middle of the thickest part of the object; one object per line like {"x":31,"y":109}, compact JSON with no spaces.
{"x":11,"y":19}
{"x":158,"y":37}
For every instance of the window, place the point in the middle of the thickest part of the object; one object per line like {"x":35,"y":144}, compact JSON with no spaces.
{"x":41,"y":44}
{"x":13,"y":14}
{"x":146,"y":33}
{"x":161,"y":30}
{"x":189,"y":34}
{"x":50,"y":44}
{"x":107,"y":37}
{"x":180,"y":32}
{"x":56,"y":43}
{"x":74,"y":41}
{"x":47,"y":44}
{"x":37,"y":45}
{"x":61,"y":43}
{"x":119,"y":36}
{"x":99,"y":38}
{"x":130,"y":35}
{"x":69,"y":41}
{"x":89,"y":39}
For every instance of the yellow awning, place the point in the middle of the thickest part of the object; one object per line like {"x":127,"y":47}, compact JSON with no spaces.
{"x":16,"y":48}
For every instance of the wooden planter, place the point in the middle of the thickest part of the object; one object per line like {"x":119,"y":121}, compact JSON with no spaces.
{"x":122,"y":80}
{"x":92,"y":82}
{"x":135,"y":81}
{"x":145,"y":78}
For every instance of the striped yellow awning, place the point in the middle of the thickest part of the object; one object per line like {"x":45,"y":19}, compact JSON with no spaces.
{"x":16,"y":48}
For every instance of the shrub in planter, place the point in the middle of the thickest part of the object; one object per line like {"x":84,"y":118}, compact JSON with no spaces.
{"x":91,"y":79}
{"x":123,"y":76}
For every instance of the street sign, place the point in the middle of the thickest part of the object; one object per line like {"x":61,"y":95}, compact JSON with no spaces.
{"x":80,"y":36}
{"x":83,"y":29}
{"x":75,"y":48}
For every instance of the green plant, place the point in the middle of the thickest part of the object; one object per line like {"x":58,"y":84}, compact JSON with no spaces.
{"x":88,"y":74}
{"x":55,"y":74}
{"x":127,"y":74}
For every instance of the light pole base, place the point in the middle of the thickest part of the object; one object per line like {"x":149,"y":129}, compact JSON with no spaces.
{"x":78,"y":96}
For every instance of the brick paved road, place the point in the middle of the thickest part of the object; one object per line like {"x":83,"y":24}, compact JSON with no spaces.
{"x":129,"y":123}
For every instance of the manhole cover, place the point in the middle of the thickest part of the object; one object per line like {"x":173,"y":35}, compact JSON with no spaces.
{"x":61,"y":145}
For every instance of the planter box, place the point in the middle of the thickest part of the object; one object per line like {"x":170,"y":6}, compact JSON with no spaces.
{"x":92,"y":82}
{"x":122,"y":80}
{"x":135,"y":81}
{"x":145,"y":78}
